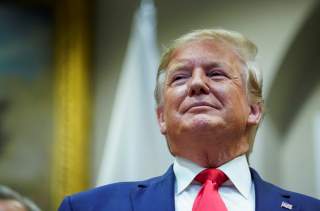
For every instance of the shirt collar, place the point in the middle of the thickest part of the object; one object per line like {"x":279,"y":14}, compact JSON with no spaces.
{"x":237,"y":170}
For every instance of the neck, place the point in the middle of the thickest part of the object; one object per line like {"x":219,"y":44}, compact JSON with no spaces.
{"x":213,"y":154}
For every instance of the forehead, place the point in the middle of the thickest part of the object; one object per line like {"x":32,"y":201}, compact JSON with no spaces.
{"x":204,"y":51}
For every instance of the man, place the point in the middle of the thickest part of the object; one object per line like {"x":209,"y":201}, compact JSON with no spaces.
{"x":209,"y":105}
{"x":12,"y":201}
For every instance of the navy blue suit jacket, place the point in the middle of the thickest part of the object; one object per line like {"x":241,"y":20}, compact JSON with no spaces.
{"x":157,"y":194}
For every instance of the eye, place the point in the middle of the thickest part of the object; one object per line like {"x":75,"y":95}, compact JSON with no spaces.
{"x":179,"y":79}
{"x":216,"y":73}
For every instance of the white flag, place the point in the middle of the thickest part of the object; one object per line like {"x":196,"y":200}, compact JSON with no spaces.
{"x":134,"y":147}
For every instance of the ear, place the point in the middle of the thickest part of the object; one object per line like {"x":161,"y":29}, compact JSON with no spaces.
{"x":255,"y":114}
{"x":161,"y":120}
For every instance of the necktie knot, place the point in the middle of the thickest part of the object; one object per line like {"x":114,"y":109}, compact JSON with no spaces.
{"x":216,"y":176}
{"x":208,"y":198}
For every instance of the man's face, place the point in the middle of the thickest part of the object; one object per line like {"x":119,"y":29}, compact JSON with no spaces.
{"x":205,"y":97}
{"x":11,"y":205}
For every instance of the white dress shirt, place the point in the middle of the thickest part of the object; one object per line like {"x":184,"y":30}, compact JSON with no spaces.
{"x":237,"y":192}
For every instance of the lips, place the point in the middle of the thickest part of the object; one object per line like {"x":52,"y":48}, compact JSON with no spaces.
{"x":199,"y":104}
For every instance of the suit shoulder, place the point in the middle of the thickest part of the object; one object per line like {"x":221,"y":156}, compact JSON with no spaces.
{"x":114,"y":189}
{"x":308,"y":202}
{"x":119,"y":188}
{"x":104,"y":197}
{"x":268,"y":192}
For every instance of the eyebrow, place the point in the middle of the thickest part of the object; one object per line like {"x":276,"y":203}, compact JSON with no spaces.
{"x":182,"y":63}
{"x":216,"y":64}
{"x":177,"y":65}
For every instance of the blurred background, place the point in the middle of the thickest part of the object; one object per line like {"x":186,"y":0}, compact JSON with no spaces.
{"x":62,"y":74}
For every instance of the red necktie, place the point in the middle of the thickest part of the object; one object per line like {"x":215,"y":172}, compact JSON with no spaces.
{"x":208,"y":198}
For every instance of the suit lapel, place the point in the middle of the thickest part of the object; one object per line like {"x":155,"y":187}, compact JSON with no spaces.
{"x":269,"y":197}
{"x":156,"y":194}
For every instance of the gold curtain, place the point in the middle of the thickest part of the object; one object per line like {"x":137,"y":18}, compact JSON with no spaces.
{"x":70,"y":171}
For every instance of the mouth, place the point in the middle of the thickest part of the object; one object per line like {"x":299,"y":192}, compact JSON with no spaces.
{"x":200,"y":106}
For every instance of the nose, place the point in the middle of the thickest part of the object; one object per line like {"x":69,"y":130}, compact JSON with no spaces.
{"x":198,"y":84}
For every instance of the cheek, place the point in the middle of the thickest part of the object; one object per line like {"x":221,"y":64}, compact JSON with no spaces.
{"x":173,"y":99}
{"x":174,"y":96}
{"x":233,"y":95}
{"x":240,"y":102}
{"x":222,"y":92}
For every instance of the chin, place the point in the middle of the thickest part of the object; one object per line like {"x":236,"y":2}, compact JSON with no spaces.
{"x":203,"y":123}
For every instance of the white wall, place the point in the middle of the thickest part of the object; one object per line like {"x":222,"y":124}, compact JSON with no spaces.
{"x":298,"y":153}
